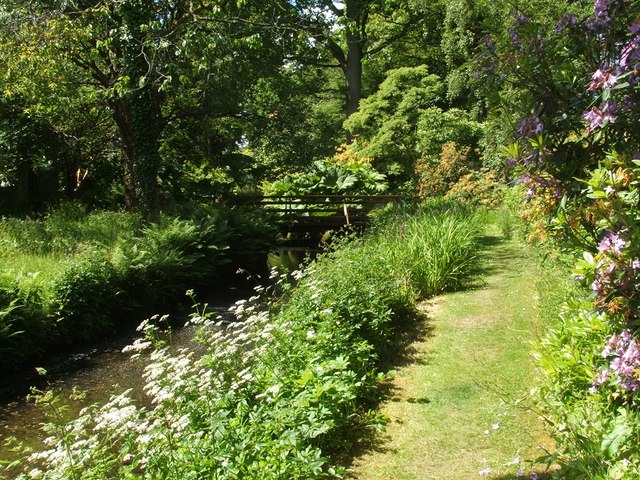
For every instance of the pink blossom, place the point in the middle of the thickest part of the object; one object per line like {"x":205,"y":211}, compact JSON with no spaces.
{"x":604,"y":77}
{"x":611,"y":243}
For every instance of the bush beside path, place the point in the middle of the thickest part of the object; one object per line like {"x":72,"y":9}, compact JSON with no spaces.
{"x":460,"y":408}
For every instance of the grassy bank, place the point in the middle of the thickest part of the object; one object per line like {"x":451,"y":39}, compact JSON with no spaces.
{"x":290,"y":385}
{"x":72,"y":276}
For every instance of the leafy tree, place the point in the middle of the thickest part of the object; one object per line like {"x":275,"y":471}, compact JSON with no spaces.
{"x":153,"y":72}
{"x":406,"y":119}
{"x":346,"y":34}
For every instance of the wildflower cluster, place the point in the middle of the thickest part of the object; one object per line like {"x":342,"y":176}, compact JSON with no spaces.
{"x":277,"y":388}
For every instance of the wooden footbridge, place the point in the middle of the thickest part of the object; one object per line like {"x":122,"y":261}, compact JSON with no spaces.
{"x":310,"y":216}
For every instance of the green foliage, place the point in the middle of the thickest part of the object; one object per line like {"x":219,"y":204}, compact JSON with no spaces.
{"x":385,"y":124}
{"x":331,"y":178}
{"x":436,"y":128}
{"x":440,"y":250}
{"x":277,"y":391}
{"x":67,"y":229}
{"x":405,"y":121}
{"x":598,"y":434}
{"x":84,"y":273}
{"x":85,"y":297}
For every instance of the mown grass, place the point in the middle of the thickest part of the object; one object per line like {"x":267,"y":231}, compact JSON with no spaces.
{"x":461,"y":407}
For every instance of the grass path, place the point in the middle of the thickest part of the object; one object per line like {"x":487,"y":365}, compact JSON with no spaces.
{"x":457,"y":408}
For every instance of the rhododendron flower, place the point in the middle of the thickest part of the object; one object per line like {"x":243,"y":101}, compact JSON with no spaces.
{"x":530,"y":126}
{"x":568,"y":20}
{"x":630,"y":52}
{"x":602,"y":12}
{"x":611,"y":243}
{"x":596,"y":116}
{"x":604,"y":77}
{"x":625,"y":362}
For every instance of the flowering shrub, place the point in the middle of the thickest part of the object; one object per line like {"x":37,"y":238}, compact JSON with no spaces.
{"x":624,"y":357}
{"x":576,"y":155}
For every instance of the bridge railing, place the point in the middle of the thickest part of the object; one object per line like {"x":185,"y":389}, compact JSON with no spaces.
{"x":318,"y":213}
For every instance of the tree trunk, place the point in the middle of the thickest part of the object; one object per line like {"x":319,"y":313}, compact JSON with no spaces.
{"x":353,"y":67}
{"x":122,"y":117}
{"x":138,"y":114}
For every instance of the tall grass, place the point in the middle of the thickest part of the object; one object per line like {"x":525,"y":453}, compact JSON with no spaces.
{"x":440,"y":250}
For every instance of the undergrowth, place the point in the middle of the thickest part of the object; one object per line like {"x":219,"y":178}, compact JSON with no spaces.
{"x":287,"y":385}
{"x":72,"y":276}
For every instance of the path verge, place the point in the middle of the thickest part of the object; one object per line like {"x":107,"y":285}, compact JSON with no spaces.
{"x":458,"y":410}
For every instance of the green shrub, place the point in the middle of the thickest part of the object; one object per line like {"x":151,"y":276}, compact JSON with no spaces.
{"x":25,"y":331}
{"x":86,"y":298}
{"x":598,"y":430}
{"x":84,"y":273}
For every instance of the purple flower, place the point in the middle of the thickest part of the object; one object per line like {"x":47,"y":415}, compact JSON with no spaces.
{"x":530,"y":126}
{"x":611,"y":243}
{"x":567,"y":20}
{"x":635,"y":26}
{"x":601,"y":12}
{"x":597,"y":286}
{"x":610,"y":110}
{"x":488,"y":42}
{"x":604,"y":77}
{"x":630,"y":52}
{"x":624,"y":365}
{"x":635,"y":264}
{"x":597,"y":116}
{"x":515,"y":39}
{"x":522,"y":20}
{"x":594,"y":117}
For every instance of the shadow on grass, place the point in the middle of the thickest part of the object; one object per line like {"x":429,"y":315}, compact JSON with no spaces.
{"x":503,"y":254}
{"x":416,"y":329}
{"x":403,"y":352}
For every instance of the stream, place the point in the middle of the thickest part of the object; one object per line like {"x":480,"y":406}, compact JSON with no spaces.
{"x":104,"y":370}
{"x":99,"y":373}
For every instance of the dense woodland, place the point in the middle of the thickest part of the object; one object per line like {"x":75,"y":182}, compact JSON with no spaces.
{"x":127,"y":125}
{"x":145,"y":105}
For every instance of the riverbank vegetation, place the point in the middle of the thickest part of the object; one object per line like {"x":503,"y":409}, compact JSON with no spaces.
{"x":288,"y":384}
{"x":72,"y":277}
{"x":149,"y":107}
